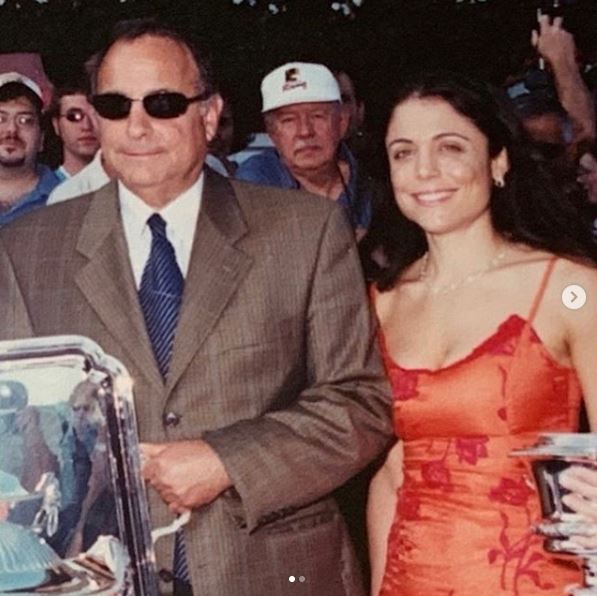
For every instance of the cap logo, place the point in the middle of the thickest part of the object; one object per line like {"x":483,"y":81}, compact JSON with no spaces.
{"x":291,"y":76}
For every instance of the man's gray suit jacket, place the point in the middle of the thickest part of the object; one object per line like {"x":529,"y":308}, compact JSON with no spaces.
{"x":275,"y":365}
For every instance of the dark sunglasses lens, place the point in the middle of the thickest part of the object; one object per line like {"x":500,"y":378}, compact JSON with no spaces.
{"x":112,"y":106}
{"x":165,"y":105}
{"x":74,"y":115}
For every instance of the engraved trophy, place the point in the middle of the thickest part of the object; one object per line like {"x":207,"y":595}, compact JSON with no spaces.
{"x":73,"y":509}
{"x":550,"y":456}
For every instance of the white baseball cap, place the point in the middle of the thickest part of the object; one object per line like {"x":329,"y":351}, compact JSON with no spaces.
{"x":16,"y":77}
{"x":298,"y":82}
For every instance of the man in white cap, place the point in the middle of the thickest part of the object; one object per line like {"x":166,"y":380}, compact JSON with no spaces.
{"x":306,"y":121}
{"x":24,"y":184}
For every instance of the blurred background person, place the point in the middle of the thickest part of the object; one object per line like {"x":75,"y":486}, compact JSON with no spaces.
{"x":557,"y":48}
{"x":73,"y":122}
{"x":220,"y":147}
{"x":304,"y":118}
{"x":480,"y":351}
{"x":25,"y":184}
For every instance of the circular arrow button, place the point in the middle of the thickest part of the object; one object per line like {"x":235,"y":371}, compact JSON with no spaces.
{"x":574,"y":297}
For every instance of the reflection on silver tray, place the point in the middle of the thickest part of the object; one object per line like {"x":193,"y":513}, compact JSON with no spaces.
{"x":73,"y":509}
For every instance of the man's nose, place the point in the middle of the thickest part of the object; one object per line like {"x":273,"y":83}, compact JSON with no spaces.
{"x":10,"y":127}
{"x":138,"y":120}
{"x":87,"y":123}
{"x":305,"y":126}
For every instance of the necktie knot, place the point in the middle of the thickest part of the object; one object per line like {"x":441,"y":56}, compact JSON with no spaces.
{"x":157,"y":225}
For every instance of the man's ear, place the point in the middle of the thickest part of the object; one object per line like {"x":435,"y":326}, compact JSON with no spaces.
{"x":344,"y":120}
{"x":211,"y":117}
{"x":55,"y":126}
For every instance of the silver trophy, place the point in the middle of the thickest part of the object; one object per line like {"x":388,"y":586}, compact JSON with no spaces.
{"x":73,"y":509}
{"x":548,"y":458}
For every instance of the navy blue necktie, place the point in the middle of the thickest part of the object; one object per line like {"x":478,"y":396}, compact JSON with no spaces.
{"x":160,"y":295}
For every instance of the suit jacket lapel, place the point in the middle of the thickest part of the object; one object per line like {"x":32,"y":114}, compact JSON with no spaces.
{"x":215,"y":271}
{"x":107,"y":281}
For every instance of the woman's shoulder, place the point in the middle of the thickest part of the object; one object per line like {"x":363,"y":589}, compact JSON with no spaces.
{"x":563,"y":267}
{"x":571,"y":292}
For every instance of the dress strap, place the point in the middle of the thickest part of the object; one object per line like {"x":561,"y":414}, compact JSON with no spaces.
{"x":541,"y":291}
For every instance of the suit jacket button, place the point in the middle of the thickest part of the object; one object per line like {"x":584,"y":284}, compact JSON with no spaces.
{"x":171,"y":419}
{"x":166,"y":575}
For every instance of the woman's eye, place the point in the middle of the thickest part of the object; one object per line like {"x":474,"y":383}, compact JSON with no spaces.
{"x":452,"y":148}
{"x":400,"y":154}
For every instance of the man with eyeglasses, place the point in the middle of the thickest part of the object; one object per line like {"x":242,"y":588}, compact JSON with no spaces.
{"x":72,"y":120}
{"x":24,"y":183}
{"x":240,"y":312}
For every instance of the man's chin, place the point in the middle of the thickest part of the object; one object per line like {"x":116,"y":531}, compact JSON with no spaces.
{"x":16,"y":162}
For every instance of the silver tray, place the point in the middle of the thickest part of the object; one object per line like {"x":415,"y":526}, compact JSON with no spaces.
{"x":73,"y":508}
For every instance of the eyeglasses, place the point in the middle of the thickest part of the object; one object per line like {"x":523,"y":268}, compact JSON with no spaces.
{"x":74,"y":114}
{"x":24,"y":120}
{"x":115,"y":106}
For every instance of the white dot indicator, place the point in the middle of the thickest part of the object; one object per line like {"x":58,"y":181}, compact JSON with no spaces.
{"x":574,"y":297}
{"x":291,"y":579}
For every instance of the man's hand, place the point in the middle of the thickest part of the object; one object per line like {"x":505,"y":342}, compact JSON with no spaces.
{"x":186,"y":474}
{"x":554,"y":43}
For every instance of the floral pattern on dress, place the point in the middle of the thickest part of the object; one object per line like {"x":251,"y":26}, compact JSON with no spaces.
{"x":511,"y":492}
{"x":516,"y":553}
{"x":404,"y":384}
{"x":470,"y":449}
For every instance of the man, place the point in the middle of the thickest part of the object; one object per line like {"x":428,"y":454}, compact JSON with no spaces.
{"x":352,"y":102}
{"x":220,"y":147}
{"x":305,"y":119}
{"x":72,"y":119}
{"x":91,"y":178}
{"x":24,"y":184}
{"x":270,"y":393}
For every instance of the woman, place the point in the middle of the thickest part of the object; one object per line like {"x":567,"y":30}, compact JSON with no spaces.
{"x":481,"y":353}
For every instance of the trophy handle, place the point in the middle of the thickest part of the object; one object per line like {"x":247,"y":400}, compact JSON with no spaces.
{"x":178,"y":523}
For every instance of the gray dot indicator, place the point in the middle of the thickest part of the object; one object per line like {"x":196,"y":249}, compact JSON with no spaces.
{"x":302,"y":578}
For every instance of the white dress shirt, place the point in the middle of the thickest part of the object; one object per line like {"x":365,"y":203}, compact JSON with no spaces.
{"x":91,"y":178}
{"x":180,"y":216}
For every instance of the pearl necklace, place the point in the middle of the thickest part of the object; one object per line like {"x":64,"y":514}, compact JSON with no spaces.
{"x":470,"y":278}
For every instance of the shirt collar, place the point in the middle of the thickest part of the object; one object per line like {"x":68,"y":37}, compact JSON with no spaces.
{"x":180,"y":214}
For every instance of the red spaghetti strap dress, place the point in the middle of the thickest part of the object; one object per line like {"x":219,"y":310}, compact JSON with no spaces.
{"x":462,"y":525}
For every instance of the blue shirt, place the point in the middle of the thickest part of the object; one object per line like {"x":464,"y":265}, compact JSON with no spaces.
{"x":38,"y":197}
{"x":267,"y":168}
{"x":61,"y":173}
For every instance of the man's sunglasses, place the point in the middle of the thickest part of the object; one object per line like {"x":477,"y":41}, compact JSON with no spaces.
{"x":115,"y":106}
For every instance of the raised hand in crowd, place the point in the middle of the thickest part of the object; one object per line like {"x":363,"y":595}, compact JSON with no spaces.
{"x":557,"y":47}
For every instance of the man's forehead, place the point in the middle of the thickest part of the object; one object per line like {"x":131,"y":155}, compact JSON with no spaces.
{"x":18,"y":104}
{"x":307,"y":107}
{"x":151,"y":52}
{"x":73,"y":97}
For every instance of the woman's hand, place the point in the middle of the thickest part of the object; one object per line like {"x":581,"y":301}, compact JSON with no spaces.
{"x":582,"y":482}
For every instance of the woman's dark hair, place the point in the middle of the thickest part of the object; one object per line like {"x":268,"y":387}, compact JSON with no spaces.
{"x":532,"y":208}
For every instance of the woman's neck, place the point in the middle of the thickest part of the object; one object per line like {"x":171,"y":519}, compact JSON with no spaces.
{"x":456,"y":255}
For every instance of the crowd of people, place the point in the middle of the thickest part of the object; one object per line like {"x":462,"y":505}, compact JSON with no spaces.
{"x":267,"y":374}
